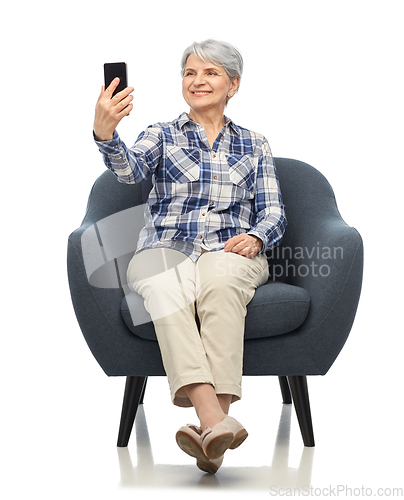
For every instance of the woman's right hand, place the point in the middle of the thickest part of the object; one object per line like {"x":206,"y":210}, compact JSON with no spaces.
{"x":110,"y":111}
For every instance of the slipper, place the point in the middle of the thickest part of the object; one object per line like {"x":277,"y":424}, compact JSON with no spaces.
{"x":189,"y":440}
{"x":226,"y":434}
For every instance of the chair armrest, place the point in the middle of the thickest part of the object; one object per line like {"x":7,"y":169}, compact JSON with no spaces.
{"x":96,"y":263}
{"x":97,"y":309}
{"x":325,"y":257}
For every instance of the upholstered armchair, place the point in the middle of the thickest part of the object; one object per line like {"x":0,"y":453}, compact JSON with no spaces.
{"x":296,"y":324}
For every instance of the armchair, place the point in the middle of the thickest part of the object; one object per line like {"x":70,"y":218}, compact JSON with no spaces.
{"x":296,"y":324}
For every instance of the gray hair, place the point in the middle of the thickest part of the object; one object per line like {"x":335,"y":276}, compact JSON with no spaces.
{"x":220,"y":53}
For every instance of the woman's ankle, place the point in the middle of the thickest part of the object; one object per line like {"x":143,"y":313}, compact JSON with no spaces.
{"x":206,"y":404}
{"x":210,"y":419}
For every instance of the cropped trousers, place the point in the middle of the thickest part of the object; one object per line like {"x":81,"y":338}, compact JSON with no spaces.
{"x":198,"y":311}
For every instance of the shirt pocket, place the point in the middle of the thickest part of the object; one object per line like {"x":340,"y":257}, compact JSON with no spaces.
{"x":241,"y":171}
{"x":182,"y":165}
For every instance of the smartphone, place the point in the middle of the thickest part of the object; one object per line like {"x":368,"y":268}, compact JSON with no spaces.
{"x":113,"y":70}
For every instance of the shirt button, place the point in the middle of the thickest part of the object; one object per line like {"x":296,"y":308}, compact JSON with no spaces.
{"x":215,"y":177}
{"x":213,"y":156}
{"x":203,"y":214}
{"x":116,"y":146}
{"x":221,"y":137}
{"x":200,"y":237}
{"x":211,"y":203}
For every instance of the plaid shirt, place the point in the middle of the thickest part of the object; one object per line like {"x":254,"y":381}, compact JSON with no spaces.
{"x":201,"y":195}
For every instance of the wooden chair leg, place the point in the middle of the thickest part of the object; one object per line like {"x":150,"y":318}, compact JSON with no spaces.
{"x":134,"y":391}
{"x":286,"y":396}
{"x":300,"y":394}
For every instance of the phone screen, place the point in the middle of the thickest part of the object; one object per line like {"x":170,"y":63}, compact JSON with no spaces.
{"x":113,"y":70}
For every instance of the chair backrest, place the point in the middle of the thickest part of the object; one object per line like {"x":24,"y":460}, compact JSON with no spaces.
{"x":109,"y":196}
{"x":304,"y":189}
{"x":301,"y":185}
{"x":115,"y":216}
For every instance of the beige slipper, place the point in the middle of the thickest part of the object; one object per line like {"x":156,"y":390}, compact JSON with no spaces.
{"x":189,"y":440}
{"x":226,"y":434}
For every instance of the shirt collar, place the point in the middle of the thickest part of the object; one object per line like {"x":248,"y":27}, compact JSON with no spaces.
{"x":230,"y":123}
{"x":183,"y":119}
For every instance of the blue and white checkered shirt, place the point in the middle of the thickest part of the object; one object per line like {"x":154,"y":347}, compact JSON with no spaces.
{"x":201,"y":195}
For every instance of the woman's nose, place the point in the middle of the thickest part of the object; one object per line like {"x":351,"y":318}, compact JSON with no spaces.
{"x":199,"y":80}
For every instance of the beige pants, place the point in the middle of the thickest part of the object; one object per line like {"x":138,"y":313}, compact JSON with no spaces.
{"x":217,"y":287}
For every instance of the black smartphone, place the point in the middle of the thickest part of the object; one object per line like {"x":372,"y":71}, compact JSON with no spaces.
{"x":113,"y":70}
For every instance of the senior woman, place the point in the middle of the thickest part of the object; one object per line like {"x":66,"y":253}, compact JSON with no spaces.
{"x":214,"y":209}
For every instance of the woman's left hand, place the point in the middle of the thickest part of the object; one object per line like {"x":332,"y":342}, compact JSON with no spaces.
{"x":244,"y":244}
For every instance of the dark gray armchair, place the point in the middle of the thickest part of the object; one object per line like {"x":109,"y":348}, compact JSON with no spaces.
{"x":296,"y":325}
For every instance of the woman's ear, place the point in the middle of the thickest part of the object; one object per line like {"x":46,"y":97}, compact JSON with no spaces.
{"x":235,"y":85}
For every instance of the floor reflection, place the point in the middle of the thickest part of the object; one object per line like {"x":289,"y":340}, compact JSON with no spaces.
{"x":277,"y":476}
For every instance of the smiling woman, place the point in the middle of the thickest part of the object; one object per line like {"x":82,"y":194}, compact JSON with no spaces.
{"x":214,"y":209}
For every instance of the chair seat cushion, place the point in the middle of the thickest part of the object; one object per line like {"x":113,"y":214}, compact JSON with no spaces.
{"x":276,"y":308}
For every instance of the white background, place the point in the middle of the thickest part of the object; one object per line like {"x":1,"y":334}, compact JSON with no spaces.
{"x":323,"y":82}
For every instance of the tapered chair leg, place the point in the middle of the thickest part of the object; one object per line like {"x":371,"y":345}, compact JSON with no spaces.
{"x":300,"y":394}
{"x":286,"y":396}
{"x":133,"y":392}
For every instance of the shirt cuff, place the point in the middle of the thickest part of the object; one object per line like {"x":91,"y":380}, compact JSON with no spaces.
{"x":262,"y":237}
{"x":109,"y":147}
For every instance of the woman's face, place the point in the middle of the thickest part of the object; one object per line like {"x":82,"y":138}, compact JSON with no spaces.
{"x":206,"y":86}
